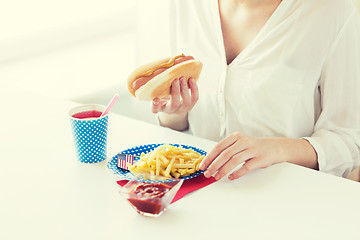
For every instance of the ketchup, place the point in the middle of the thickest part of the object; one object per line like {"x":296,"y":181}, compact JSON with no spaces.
{"x":146,"y":197}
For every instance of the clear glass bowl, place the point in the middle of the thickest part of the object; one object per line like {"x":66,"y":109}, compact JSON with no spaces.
{"x":150,"y":195}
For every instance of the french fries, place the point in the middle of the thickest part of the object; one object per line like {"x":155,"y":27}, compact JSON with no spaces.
{"x":169,"y":161}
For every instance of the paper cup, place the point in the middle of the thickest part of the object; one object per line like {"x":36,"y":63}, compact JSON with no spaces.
{"x":90,"y":134}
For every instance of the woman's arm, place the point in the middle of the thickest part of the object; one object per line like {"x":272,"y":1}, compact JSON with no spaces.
{"x":336,"y":136}
{"x":178,"y":122}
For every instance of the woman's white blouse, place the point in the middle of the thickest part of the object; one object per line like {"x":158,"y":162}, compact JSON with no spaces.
{"x":299,"y":78}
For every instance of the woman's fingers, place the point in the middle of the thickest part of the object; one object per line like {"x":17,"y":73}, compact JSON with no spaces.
{"x":234,"y":162}
{"x":216,"y":151}
{"x":236,"y":149}
{"x":246,"y":168}
{"x":230,"y":153}
{"x":185,"y":95}
{"x":159,"y":104}
{"x":194,"y":91}
{"x":180,"y":100}
{"x":174,"y":96}
{"x":223,"y":158}
{"x":155,"y":106}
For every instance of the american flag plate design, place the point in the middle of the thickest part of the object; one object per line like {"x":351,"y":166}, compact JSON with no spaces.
{"x":115,"y":165}
{"x":124,"y":159}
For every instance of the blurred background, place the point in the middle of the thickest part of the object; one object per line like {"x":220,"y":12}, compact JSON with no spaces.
{"x":82,"y":50}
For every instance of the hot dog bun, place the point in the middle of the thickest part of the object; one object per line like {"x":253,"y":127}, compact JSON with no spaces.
{"x":159,"y":86}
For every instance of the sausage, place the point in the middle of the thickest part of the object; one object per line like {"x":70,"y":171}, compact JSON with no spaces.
{"x":143,"y":80}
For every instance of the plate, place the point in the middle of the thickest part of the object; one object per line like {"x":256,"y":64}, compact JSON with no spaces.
{"x":136,"y":151}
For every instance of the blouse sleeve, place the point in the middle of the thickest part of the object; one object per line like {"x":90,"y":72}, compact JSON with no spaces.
{"x":336,"y":136}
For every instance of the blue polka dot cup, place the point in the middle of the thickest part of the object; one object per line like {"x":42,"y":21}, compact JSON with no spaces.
{"x":89,"y":132}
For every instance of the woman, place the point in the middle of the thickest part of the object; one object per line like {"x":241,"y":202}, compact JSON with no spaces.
{"x":280,"y":82}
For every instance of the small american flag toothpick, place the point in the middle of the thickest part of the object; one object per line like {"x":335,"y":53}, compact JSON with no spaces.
{"x":123,"y":159}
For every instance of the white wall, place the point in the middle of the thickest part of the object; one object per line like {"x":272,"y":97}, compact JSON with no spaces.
{"x":66,"y":48}
{"x":357,"y":4}
{"x":73,"y":49}
{"x":152,"y":24}
{"x":34,"y":27}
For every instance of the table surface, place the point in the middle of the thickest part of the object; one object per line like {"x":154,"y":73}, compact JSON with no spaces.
{"x":47,"y":194}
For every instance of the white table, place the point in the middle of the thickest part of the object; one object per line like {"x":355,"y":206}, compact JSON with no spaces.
{"x":47,"y":194}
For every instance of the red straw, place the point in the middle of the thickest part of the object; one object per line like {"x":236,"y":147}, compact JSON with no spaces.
{"x":109,"y":106}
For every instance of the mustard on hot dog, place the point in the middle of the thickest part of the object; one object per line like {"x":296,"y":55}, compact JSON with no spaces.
{"x":154,"y":79}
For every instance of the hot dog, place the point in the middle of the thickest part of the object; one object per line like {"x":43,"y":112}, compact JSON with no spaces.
{"x":154,"y":79}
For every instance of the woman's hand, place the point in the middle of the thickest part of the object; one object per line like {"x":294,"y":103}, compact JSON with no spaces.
{"x":255,"y":153}
{"x":180,"y":99}
{"x":173,"y":110}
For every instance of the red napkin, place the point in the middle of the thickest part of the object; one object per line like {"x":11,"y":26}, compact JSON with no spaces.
{"x":188,"y":186}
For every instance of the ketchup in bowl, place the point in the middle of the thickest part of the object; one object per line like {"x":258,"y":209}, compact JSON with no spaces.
{"x":150,"y":195}
{"x":147,"y":197}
